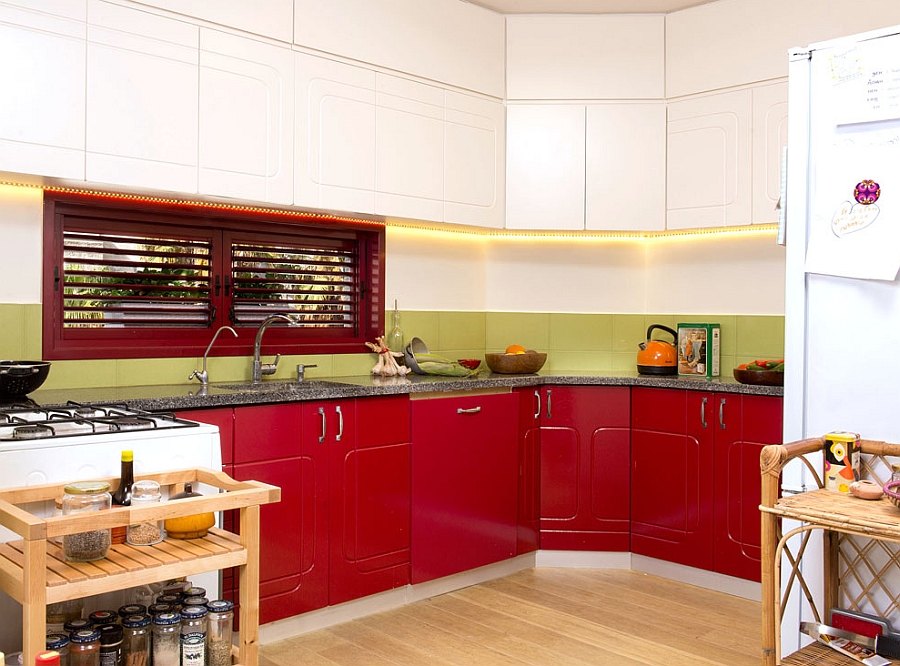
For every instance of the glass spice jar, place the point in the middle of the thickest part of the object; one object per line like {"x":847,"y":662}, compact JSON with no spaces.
{"x":59,"y":643}
{"x":83,"y":497}
{"x":84,"y":648}
{"x":220,"y":627}
{"x":166,"y":637}
{"x":60,"y":613}
{"x":194,"y":601}
{"x":77,"y":625}
{"x":193,"y":636}
{"x":157,"y":609}
{"x":136,"y":643}
{"x":100,"y":618}
{"x":147,"y":532}
{"x":194,"y":591}
{"x":111,"y":636}
{"x":132,"y":609}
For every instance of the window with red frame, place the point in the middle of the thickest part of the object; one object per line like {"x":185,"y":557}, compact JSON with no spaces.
{"x":142,"y":280}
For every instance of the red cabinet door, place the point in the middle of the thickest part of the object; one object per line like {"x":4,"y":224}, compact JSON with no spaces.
{"x":584,"y":461}
{"x":671,"y":475}
{"x":529,"y":471}
{"x":744,"y":425}
{"x":369,"y":481}
{"x":293,"y":533}
{"x":464,"y":455}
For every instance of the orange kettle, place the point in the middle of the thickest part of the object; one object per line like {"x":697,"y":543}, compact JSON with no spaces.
{"x":658,"y":357}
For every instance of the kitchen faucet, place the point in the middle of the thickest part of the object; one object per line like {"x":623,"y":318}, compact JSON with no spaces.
{"x":260,"y":368}
{"x":202,"y":375}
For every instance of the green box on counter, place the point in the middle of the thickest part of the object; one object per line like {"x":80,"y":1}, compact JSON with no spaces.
{"x":698,"y":349}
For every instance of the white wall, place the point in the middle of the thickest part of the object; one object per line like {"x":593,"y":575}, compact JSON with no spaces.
{"x":21,"y":225}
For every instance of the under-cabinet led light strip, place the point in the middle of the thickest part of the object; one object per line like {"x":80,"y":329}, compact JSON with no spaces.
{"x":498,"y":234}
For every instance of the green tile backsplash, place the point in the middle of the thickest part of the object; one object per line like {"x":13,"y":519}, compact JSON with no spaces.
{"x":574,"y":342}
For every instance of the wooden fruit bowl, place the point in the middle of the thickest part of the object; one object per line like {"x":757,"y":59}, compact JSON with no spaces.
{"x":516,"y":364}
{"x":759,"y":377}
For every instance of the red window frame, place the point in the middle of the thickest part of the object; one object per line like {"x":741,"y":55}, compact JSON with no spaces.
{"x":220,"y":226}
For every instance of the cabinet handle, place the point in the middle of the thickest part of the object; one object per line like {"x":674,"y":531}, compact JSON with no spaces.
{"x":722,"y":413}
{"x":473,"y":410}
{"x":549,"y":404}
{"x":703,"y":412}
{"x":340,"y":423}
{"x":537,"y":414}
{"x":322,"y":416}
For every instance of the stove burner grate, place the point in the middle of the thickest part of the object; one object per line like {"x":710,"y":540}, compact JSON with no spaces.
{"x":33,"y":432}
{"x":129,"y":423}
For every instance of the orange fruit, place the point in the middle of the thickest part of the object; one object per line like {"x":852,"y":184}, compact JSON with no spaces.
{"x":515,"y":349}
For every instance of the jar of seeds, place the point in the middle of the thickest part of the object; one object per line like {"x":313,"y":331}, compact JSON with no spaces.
{"x":220,"y":626}
{"x":148,"y":532}
{"x":84,"y":497}
{"x":166,"y":637}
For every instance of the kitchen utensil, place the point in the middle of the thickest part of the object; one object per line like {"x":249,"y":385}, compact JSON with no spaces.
{"x":516,"y":364}
{"x":658,"y":357}
{"x":415,"y":346}
{"x":886,"y":646}
{"x":759,"y":377}
{"x":20,"y":377}
{"x":860,"y":623}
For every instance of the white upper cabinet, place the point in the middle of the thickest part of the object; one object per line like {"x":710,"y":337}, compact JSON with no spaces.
{"x":585,"y":57}
{"x":708,"y":169}
{"x":142,"y":97}
{"x":409,"y":149}
{"x":246,"y":118}
{"x":474,"y":150}
{"x":626,"y":167}
{"x":734,"y":42}
{"x":334,"y":155}
{"x":770,"y":122}
{"x":545,"y":173}
{"x":448,"y":41}
{"x":270,"y":18}
{"x":42,"y":106}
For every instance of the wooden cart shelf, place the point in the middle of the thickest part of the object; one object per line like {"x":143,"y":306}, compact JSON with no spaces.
{"x":834,"y":514}
{"x":34,"y":571}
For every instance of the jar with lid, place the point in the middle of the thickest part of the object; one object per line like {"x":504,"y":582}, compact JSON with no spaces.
{"x":60,"y":613}
{"x":136,"y":642}
{"x":156,"y":609}
{"x":146,"y":532}
{"x":132,"y":609}
{"x":193,"y":636}
{"x":166,"y":636}
{"x":895,"y":471}
{"x":220,"y":625}
{"x":194,"y":591}
{"x":83,"y":497}
{"x":111,"y":636}
{"x":194,"y":601}
{"x":84,"y":648}
{"x":59,"y":643}
{"x":77,"y":625}
{"x":47,"y":658}
{"x":100,"y":618}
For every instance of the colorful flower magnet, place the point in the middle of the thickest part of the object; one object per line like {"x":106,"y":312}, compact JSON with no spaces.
{"x":867,"y":192}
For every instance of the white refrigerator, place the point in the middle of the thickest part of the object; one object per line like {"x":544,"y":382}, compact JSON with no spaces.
{"x":842,"y":205}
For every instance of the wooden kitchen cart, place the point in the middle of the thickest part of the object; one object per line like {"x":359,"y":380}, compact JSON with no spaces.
{"x":844,"y":520}
{"x":34,"y":571}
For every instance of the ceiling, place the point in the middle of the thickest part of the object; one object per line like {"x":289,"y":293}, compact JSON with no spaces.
{"x":587,"y":6}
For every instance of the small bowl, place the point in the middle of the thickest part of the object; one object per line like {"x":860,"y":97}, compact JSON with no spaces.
{"x":515,"y":364}
{"x":759,"y":377}
{"x":469,"y":363}
{"x":892,"y":490}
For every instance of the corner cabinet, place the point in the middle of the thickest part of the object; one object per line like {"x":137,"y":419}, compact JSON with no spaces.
{"x":36,"y":573}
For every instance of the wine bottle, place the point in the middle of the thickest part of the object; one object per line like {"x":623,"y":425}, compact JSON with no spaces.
{"x":122,"y":495}
{"x":395,"y":336}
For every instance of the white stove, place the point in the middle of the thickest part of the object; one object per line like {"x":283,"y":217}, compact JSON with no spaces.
{"x":79,"y":442}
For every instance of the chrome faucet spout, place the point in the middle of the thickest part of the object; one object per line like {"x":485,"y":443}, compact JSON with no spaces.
{"x":202,"y":375}
{"x":260,"y":368}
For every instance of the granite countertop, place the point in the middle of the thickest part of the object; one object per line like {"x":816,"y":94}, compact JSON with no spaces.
{"x":175,"y":397}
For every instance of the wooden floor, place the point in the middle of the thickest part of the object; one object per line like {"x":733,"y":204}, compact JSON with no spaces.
{"x":544,"y":617}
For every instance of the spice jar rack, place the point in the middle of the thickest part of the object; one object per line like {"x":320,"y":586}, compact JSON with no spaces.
{"x":34,"y":571}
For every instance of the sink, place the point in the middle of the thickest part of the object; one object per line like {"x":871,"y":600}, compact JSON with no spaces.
{"x":300,"y":387}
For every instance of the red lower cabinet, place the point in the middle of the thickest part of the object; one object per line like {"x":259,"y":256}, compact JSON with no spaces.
{"x":585,"y":448}
{"x":293,"y":543}
{"x":464,"y":486}
{"x":671,"y":475}
{"x":528,"y":530}
{"x":369,"y":492}
{"x":744,"y":425}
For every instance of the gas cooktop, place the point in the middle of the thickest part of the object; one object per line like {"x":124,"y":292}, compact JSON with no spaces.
{"x":28,"y":420}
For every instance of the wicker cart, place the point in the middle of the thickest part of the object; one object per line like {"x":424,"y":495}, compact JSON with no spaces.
{"x":34,"y":571}
{"x":859,"y":536}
